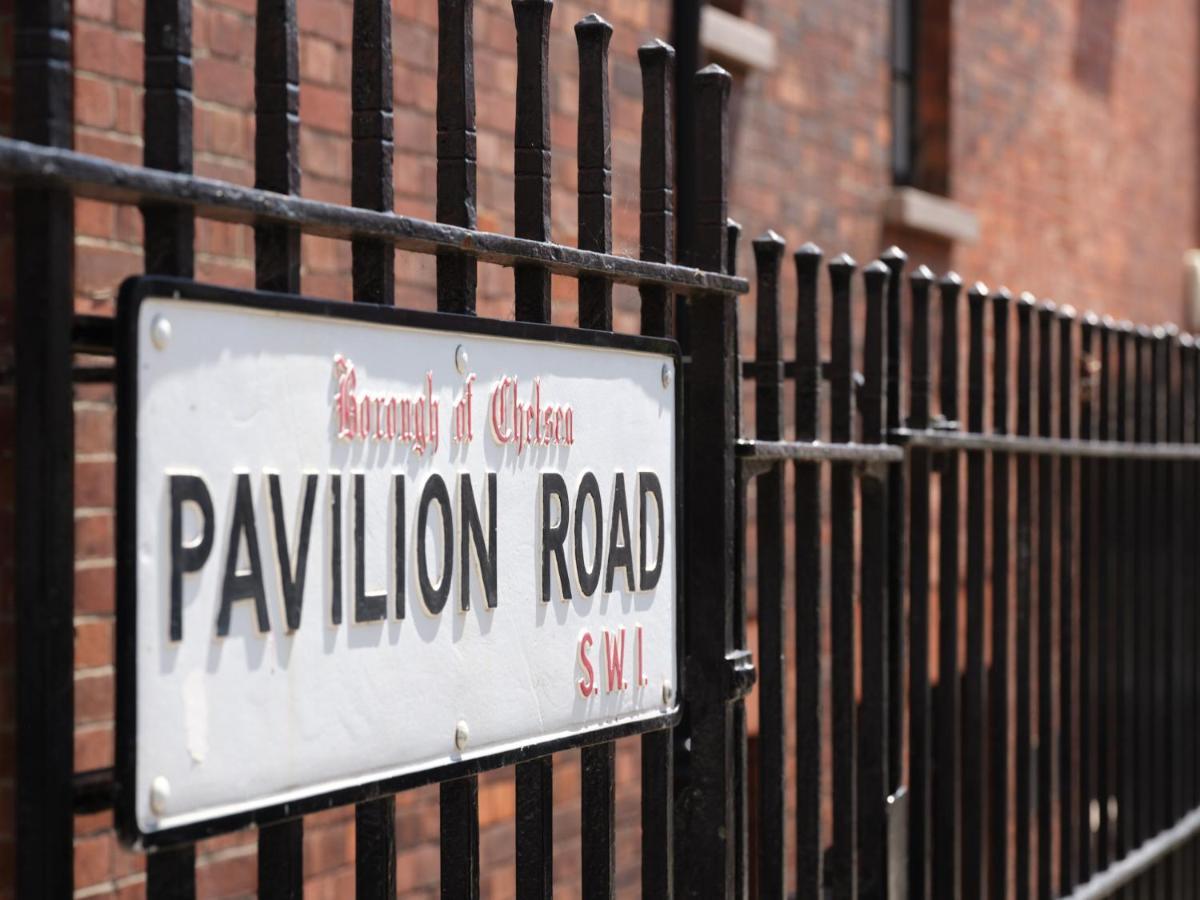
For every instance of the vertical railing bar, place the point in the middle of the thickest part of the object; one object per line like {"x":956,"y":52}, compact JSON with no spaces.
{"x":974,"y":798}
{"x":1188,"y":371}
{"x":772,"y":620}
{"x":169,"y":247}
{"x":947,"y":724}
{"x":44,"y":441}
{"x":1024,"y":587}
{"x":1142,"y":514}
{"x":998,"y":693}
{"x":371,"y":145}
{"x":277,"y":268}
{"x":843,"y":875}
{"x":1108,"y":629}
{"x":1192,"y":529}
{"x":1091,"y":616}
{"x":1180,"y":765}
{"x":1173,"y":786}
{"x":459,"y":837}
{"x":808,"y":649}
{"x":741,"y":810}
{"x":705,"y":793}
{"x":894,"y":258}
{"x":169,"y":231}
{"x":1045,"y":608}
{"x":1127,"y":615}
{"x":657,"y":61}
{"x":1069,"y":833}
{"x":1163,"y":783}
{"x":531,"y":219}
{"x":658,"y":244}
{"x":531,"y":164}
{"x":373,"y":267}
{"x":874,"y":779}
{"x":595,"y":166}
{"x":920,"y":728}
{"x":457,"y":276}
{"x":277,"y":139}
{"x":598,"y":761}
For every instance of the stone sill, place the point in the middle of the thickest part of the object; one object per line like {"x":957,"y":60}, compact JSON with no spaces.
{"x":736,"y":41}
{"x":930,"y":214}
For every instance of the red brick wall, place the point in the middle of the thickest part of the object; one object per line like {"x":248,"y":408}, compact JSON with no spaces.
{"x":1073,"y":140}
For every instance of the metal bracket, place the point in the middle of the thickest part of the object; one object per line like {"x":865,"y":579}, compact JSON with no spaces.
{"x":740,"y":674}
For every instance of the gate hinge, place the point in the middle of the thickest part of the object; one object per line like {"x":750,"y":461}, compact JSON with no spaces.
{"x":740,"y":674}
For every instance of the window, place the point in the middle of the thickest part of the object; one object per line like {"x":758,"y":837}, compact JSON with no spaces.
{"x":921,"y":55}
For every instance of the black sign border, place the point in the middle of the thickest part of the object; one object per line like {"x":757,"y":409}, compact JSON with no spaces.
{"x":133,"y":292}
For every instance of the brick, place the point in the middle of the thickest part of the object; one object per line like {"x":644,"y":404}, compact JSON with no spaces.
{"x":103,"y":51}
{"x":229,"y":876}
{"x":95,"y":589}
{"x":93,"y":747}
{"x":97,"y":10}
{"x":93,"y":643}
{"x":96,"y":102}
{"x":94,"y":536}
{"x":95,"y":484}
{"x":94,"y":697}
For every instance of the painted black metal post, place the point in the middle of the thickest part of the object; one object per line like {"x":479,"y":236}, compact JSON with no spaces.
{"x":531,"y":163}
{"x":531,"y":217}
{"x":1067,"y":771}
{"x":1162,"y":776}
{"x":772,"y":620}
{"x":598,"y":761}
{"x":998,"y":686}
{"x":739,"y":660}
{"x":169,"y":248}
{"x":843,"y":857}
{"x":1091,"y":617}
{"x":1024,"y":584}
{"x":1143,"y":633}
{"x":1127,"y":614}
{"x":657,"y":175}
{"x":457,"y":274}
{"x":44,"y":438}
{"x":277,"y":268}
{"x":277,"y":139}
{"x":920,"y":712}
{"x":595,"y":166}
{"x":373,"y":264}
{"x":657,"y":244}
{"x":974,"y":795}
{"x":1103,"y":567}
{"x":1045,"y":605}
{"x":1106,"y":560}
{"x":894,"y":258}
{"x":705,"y":770}
{"x":456,"y":287}
{"x":874,"y":779}
{"x":808,"y":711}
{"x":947,"y":725}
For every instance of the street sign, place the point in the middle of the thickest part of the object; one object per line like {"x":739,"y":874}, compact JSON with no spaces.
{"x":362,"y":548}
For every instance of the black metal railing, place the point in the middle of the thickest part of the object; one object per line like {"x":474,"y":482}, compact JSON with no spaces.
{"x":48,"y":175}
{"x":1055,"y":753}
{"x":1016,"y":719}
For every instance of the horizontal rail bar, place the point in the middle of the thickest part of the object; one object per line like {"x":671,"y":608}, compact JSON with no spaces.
{"x":94,"y":790}
{"x":1039,"y":446}
{"x":818,"y":451}
{"x":1129,"y":867}
{"x":103,"y":179}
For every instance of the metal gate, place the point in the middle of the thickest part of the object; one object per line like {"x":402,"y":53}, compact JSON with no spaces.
{"x":1082,"y":613}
